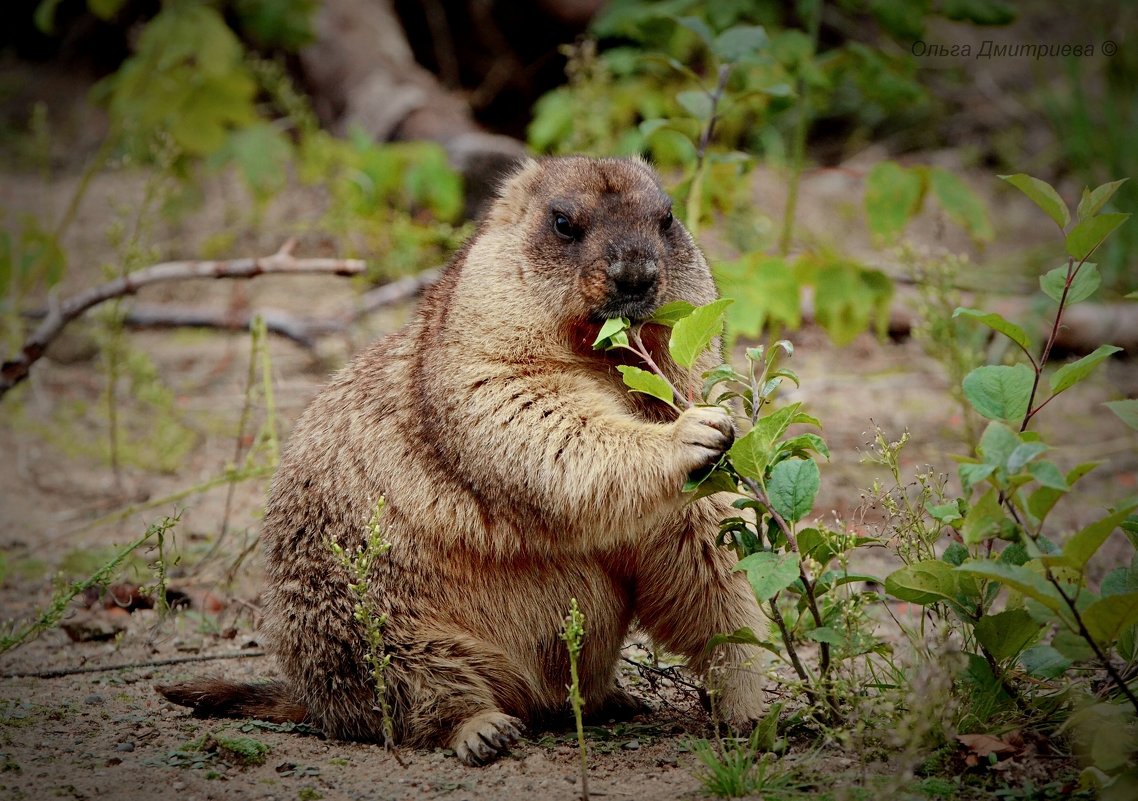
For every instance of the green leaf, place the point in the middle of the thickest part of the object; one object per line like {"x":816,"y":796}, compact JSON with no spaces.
{"x":1023,"y":454}
{"x":805,"y":442}
{"x":1086,"y":281}
{"x":892,"y":196}
{"x":671,"y":313}
{"x":848,"y":297}
{"x":1084,"y":544}
{"x":793,"y":485}
{"x":261,"y":152}
{"x":961,"y":204}
{"x":832,"y":578}
{"x":769,"y":572}
{"x":1043,"y":499}
{"x":696,"y":102}
{"x":997,"y":444}
{"x":955,"y":554}
{"x":946,"y":513}
{"x":649,"y":127}
{"x":766,"y":290}
{"x":973,"y":474}
{"x":1121,"y":580}
{"x":980,"y":12}
{"x":44,"y":16}
{"x":692,"y":334}
{"x":751,"y":454}
{"x":1108,"y":617}
{"x":1126,"y":411}
{"x":984,"y":520}
{"x":816,"y":544}
{"x":105,"y":9}
{"x":827,"y":635}
{"x":996,"y":323}
{"x":1044,"y":662}
{"x":697,"y":26}
{"x":609,"y":330}
{"x":924,"y":583}
{"x":1070,"y":374}
{"x":1042,"y":195}
{"x":638,"y":380}
{"x":1007,"y":633}
{"x":739,"y":41}
{"x":742,"y":636}
{"x":1093,"y":201}
{"x":1072,"y":646}
{"x":711,"y":483}
{"x":1088,"y":234}
{"x":1000,"y":392}
{"x":1019,"y":577}
{"x":1048,"y":475}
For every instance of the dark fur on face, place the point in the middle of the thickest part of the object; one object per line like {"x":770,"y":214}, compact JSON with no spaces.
{"x":609,"y":225}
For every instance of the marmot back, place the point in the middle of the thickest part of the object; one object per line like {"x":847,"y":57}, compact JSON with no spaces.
{"x":518,"y":472}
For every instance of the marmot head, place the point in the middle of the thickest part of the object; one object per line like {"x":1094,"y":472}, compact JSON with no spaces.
{"x":607,"y":226}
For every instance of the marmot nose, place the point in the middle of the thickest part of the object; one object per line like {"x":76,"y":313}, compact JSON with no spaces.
{"x":633,"y":278}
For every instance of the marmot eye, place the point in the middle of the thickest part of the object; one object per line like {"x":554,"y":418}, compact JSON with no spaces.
{"x":563,"y":227}
{"x":666,"y":223}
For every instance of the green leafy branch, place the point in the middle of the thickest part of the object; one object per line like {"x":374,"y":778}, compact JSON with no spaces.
{"x":999,"y":538}
{"x":775,"y":473}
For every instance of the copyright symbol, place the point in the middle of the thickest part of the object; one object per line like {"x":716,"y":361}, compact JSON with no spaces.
{"x":1109,"y":48}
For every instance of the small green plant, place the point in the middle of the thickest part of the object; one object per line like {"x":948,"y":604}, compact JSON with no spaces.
{"x":18,"y":634}
{"x":359,"y":564}
{"x":215,"y":748}
{"x":1025,"y":602}
{"x":740,"y":768}
{"x":775,"y":472}
{"x":573,"y":633}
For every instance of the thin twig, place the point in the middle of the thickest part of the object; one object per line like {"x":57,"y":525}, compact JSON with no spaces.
{"x":17,"y":369}
{"x":175,"y":660}
{"x":776,"y":615}
{"x":671,"y":674}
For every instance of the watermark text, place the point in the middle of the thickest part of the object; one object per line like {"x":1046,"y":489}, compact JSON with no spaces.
{"x":989,"y":49}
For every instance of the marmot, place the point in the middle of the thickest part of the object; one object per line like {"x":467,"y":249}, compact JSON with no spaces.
{"x":518,"y":472}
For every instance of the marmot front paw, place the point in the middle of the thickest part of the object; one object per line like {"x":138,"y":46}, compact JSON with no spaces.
{"x":703,"y":433}
{"x":485,"y":737}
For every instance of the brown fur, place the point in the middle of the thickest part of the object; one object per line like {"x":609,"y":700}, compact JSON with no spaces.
{"x":518,"y":473}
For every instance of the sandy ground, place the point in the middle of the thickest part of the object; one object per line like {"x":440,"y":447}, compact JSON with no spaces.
{"x":106,"y":734}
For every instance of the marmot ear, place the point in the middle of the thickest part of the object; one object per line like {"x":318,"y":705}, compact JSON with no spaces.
{"x":515,"y":194}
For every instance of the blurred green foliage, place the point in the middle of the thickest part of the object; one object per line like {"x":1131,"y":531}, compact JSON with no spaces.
{"x":651,"y":49}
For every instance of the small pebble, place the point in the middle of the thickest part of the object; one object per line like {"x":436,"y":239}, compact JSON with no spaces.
{"x":125,"y":747}
{"x":631,"y":745}
{"x":178,"y":786}
{"x":93,"y":698}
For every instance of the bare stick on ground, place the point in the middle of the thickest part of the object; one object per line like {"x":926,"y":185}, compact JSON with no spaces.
{"x":176,"y":660}
{"x":16,"y":370}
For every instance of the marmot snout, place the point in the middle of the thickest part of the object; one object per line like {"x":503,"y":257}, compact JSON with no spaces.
{"x":518,"y":473}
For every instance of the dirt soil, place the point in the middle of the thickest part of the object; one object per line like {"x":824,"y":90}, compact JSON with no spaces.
{"x":100,"y":731}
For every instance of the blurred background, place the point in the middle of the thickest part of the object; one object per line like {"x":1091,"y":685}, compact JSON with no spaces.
{"x":838,"y":161}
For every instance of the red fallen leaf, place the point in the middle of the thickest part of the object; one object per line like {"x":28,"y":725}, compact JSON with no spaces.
{"x":984,"y":744}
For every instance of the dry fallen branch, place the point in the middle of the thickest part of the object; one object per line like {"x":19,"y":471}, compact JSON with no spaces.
{"x":58,"y":316}
{"x":304,"y":331}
